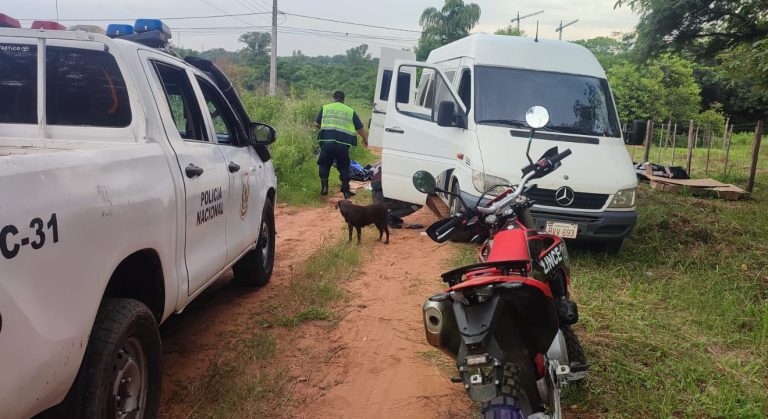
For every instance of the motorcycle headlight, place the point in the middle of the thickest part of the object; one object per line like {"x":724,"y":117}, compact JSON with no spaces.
{"x":624,"y":198}
{"x":482,"y":182}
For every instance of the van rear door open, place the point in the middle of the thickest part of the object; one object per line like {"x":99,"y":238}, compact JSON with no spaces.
{"x":383,"y":84}
{"x":427,"y":132}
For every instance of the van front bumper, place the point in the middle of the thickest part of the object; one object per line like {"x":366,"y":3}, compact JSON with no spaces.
{"x":605,"y":226}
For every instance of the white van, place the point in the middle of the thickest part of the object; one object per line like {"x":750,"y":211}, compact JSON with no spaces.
{"x":463,"y":120}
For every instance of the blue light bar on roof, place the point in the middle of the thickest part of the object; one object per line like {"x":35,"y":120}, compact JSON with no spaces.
{"x":147,"y":25}
{"x":115,"y":30}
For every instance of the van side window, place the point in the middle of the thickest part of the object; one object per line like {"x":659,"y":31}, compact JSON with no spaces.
{"x":403,"y":86}
{"x":465,"y":88}
{"x":422,"y":87}
{"x":85,"y":88}
{"x":386,"y":82}
{"x":181,"y":101}
{"x":450,"y":75}
{"x":18,"y":84}
{"x":432,"y":90}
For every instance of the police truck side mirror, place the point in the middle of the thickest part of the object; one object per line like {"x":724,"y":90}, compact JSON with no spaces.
{"x":262,"y":134}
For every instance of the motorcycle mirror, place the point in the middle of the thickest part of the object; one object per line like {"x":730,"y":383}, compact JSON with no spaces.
{"x":537,"y":117}
{"x":424,"y":182}
{"x":434,"y":228}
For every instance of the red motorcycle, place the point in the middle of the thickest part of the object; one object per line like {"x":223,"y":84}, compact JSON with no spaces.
{"x":506,"y":320}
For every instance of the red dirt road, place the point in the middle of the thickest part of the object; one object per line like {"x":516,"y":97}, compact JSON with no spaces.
{"x":383,"y":366}
{"x":373,"y":363}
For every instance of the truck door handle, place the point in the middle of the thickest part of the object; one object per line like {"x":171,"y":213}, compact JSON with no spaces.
{"x":233,"y":167}
{"x":193,"y":171}
{"x":394,"y":130}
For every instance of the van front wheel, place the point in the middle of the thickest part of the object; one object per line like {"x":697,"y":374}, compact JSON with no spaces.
{"x":454,"y":204}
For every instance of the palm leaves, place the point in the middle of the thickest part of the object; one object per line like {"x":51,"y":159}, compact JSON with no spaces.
{"x":450,"y":23}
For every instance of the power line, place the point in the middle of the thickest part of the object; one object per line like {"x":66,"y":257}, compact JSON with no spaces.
{"x":224,"y":11}
{"x":120,"y":19}
{"x":225,"y":15}
{"x":248,"y":7}
{"x":214,"y":29}
{"x":351,"y":23}
{"x":352,"y":41}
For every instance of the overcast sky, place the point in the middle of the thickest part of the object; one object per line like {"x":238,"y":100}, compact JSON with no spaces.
{"x":596,"y":18}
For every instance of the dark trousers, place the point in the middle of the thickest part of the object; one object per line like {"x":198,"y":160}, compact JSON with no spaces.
{"x":331,"y":152}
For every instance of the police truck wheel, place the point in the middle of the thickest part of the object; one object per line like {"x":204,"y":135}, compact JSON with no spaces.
{"x":255,"y":268}
{"x":120,"y":376}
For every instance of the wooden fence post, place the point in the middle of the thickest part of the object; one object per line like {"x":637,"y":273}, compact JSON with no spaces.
{"x":696,"y":137}
{"x":727,"y":149}
{"x":674,"y":143}
{"x":661,"y":143}
{"x":648,"y":139}
{"x":725,"y":132}
{"x":709,"y":149}
{"x":755,"y":155}
{"x":690,"y":147}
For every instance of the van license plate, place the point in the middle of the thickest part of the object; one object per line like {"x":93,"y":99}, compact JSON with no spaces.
{"x":564,"y":230}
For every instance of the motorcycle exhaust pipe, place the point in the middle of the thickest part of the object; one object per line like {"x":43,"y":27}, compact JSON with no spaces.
{"x":440,"y":324}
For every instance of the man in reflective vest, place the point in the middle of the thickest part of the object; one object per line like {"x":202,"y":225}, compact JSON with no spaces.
{"x":338,"y":125}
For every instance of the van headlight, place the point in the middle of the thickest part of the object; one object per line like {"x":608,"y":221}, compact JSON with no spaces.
{"x":483,"y":182}
{"x":624,"y":198}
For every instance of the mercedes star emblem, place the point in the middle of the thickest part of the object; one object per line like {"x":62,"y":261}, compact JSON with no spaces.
{"x":565,"y":196}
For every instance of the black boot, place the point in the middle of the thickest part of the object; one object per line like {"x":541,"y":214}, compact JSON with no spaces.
{"x":323,"y":186}
{"x":345,"y":189}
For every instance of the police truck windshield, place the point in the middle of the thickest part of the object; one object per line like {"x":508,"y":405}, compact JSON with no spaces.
{"x":577,"y":104}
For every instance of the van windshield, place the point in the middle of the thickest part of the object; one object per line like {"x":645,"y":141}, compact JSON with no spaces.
{"x":576,"y":104}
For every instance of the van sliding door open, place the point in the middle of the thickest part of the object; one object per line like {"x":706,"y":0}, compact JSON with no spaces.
{"x":407,"y":84}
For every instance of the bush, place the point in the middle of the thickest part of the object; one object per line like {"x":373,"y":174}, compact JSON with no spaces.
{"x":295,"y":151}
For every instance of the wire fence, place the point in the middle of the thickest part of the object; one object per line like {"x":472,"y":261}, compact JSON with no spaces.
{"x":720,"y":152}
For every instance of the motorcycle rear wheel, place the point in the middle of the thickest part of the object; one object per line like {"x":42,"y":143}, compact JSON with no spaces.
{"x":513,"y":402}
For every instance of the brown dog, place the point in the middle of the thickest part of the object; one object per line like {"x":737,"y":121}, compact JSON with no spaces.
{"x":358,"y":217}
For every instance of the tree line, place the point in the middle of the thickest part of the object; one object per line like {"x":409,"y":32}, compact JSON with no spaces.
{"x":697,"y":60}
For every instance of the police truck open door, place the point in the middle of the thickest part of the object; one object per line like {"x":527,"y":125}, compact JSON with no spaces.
{"x":406,"y":89}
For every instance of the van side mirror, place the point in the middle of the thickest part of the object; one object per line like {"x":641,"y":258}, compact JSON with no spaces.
{"x":261,"y":134}
{"x":635,"y":135}
{"x":447,"y":116}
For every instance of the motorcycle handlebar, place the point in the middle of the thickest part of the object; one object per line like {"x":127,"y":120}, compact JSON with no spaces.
{"x":561,"y":156}
{"x":442,"y":231}
{"x":511,"y":197}
{"x":543,"y":164}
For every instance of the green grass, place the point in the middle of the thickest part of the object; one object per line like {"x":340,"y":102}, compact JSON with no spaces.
{"x":236,"y":382}
{"x":243,"y":380}
{"x":294,"y":152}
{"x":677,"y":324}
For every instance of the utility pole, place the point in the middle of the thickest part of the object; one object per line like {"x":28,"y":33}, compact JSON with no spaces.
{"x":561,"y":27}
{"x":518,"y":18}
{"x":273,"y":61}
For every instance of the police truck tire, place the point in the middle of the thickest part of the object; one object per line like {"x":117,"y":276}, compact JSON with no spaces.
{"x":255,"y":268}
{"x":120,"y":373}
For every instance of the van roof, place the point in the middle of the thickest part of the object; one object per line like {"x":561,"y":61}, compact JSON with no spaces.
{"x":522,"y":52}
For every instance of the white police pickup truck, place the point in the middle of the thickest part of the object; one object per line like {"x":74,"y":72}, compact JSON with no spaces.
{"x":130,"y":181}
